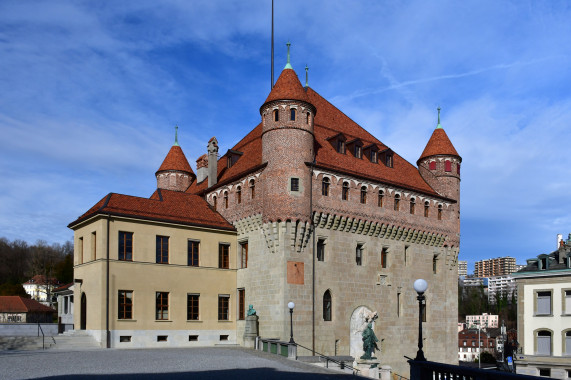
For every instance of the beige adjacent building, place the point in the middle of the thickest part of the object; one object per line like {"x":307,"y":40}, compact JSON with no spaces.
{"x":544,"y":314}
{"x":156,"y":272}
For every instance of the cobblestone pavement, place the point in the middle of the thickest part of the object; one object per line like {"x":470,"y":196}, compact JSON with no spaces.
{"x":189,"y":363}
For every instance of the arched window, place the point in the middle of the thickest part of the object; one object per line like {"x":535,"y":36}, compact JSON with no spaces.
{"x":426,"y":208}
{"x":345,"y":191}
{"x":325,"y":187}
{"x":412,"y":205}
{"x":432,"y":165}
{"x":308,"y":116}
{"x":567,"y":341}
{"x":214,"y":202}
{"x":447,"y":166}
{"x":364,"y":194}
{"x":439,"y":212}
{"x":397,"y":202}
{"x":239,"y":194}
{"x":253,"y":188}
{"x":381,"y":199}
{"x":543,"y":342}
{"x":327,"y":306}
{"x":276,"y":115}
{"x":292,"y":114}
{"x":225,"y":199}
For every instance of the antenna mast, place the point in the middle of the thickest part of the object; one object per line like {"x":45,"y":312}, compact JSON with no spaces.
{"x":272,"y":83}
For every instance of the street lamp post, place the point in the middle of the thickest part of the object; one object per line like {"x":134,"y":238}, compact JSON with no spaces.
{"x":291,"y":305}
{"x":420,"y":286}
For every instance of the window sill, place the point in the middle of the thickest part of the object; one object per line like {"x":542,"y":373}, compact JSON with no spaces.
{"x":163,"y":320}
{"x":543,"y":315}
{"x":225,"y":321}
{"x":194,"y":321}
{"x":126,"y":320}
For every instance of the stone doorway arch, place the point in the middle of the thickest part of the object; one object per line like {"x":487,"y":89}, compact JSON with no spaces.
{"x":357,"y":325}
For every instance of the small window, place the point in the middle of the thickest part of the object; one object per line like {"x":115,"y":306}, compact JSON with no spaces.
{"x":543,"y":263}
{"x":321,"y":250}
{"x":434,"y":262}
{"x":224,"y":256}
{"x":447,"y":166}
{"x":325,"y":186}
{"x":412,"y":205}
{"x":327,"y":306}
{"x":276,"y":115}
{"x":364,"y":194}
{"x":432,"y":165}
{"x":214,"y":203}
{"x":359,"y":254}
{"x":308,"y":118}
{"x":253,"y":188}
{"x":439,"y":212}
{"x":398,"y":305}
{"x":341,"y":146}
{"x":545,"y":372}
{"x":345,"y":191}
{"x":162,"y":249}
{"x":426,"y":208}
{"x":80,"y":249}
{"x":162,"y":306}
{"x":125,"y":304}
{"x":397,"y":202}
{"x":93,"y":245}
{"x":294,"y":184}
{"x":292,"y":114}
{"x":193,"y":338}
{"x":458,"y":169}
{"x":192,"y":307}
{"x":243,"y":255}
{"x":358,"y":151}
{"x":389,"y":160}
{"x":162,"y":338}
{"x":380,"y":201}
{"x":241,"y":304}
{"x":223,"y":307}
{"x":384,"y":257}
{"x":124,"y":338}
{"x":193,"y":253}
{"x":125,"y":246}
{"x":225,"y":199}
{"x":223,"y":338}
{"x":239,"y":194}
{"x":374,"y":156}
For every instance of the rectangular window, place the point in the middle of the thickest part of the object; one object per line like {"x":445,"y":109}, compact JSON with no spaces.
{"x":447,"y":166}
{"x":358,"y":152}
{"x":193,"y":253}
{"x":543,"y":303}
{"x":406,"y":254}
{"x":241,"y":304}
{"x":223,"y":307}
{"x":162,"y":250}
{"x":162,"y":306}
{"x":224,"y":256}
{"x":294,"y":184}
{"x":434,"y":262}
{"x":244,"y":254}
{"x":80,"y":250}
{"x":193,"y":338}
{"x":432,"y":165}
{"x":389,"y":160}
{"x":93,"y":245}
{"x":321,"y":250}
{"x":567,"y":304}
{"x":341,"y":146}
{"x":546,"y":372}
{"x":359,"y":254}
{"x":383,"y":258}
{"x":125,"y":304}
{"x":192,"y":307}
{"x":125,"y":246}
{"x":374,"y":156}
{"x":398,"y":304}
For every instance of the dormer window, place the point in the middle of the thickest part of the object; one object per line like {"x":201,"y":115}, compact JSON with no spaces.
{"x":389,"y":160}
{"x":358,"y":151}
{"x":374,"y":156}
{"x":232,"y":157}
{"x":543,"y":263}
{"x":292,"y":114}
{"x":341,"y":146}
{"x":372,"y":153}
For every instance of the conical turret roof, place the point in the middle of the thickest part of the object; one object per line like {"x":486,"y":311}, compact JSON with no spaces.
{"x":176,"y":160}
{"x":287,"y":87}
{"x":439,"y":145}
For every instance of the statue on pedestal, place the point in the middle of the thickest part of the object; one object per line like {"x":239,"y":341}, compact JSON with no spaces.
{"x":251,"y":310}
{"x":369,"y":342}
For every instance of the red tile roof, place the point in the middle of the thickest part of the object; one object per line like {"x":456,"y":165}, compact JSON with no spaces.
{"x":176,"y":160}
{"x":329,"y":121}
{"x":439,"y":144}
{"x":164,"y":205}
{"x":287,"y":87}
{"x":16,"y":304}
{"x":40,"y":279}
{"x":63,"y":287}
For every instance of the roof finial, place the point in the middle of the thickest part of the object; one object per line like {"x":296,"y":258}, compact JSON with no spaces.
{"x":175,"y":135}
{"x":306,"y":76}
{"x":438,"y":126}
{"x":288,"y":65}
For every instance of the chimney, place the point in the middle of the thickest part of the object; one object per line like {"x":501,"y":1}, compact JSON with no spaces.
{"x":201,"y":168}
{"x":559,"y":240}
{"x":212,"y":162}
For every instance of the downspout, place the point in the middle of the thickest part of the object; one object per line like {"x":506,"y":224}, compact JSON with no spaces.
{"x":108,"y":337}
{"x":313,"y":260}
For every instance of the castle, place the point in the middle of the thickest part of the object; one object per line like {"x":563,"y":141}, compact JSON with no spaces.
{"x":312,"y":209}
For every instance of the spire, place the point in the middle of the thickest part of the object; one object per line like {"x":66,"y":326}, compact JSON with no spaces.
{"x":306,"y":76}
{"x":439,"y":126}
{"x":175,"y":136}
{"x":288,"y":65}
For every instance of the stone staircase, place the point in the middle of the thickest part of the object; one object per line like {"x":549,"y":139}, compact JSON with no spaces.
{"x":72,"y":340}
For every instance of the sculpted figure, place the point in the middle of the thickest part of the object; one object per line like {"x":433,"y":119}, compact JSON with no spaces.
{"x":251,"y":310}
{"x":369,"y":342}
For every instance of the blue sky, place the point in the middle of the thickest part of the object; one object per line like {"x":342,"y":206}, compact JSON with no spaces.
{"x":91,"y":91}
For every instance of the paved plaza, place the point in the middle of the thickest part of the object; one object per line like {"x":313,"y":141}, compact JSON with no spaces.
{"x":189,"y":363}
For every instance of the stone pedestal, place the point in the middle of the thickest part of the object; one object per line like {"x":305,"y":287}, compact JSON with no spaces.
{"x":368,"y":367}
{"x":251,"y":331}
{"x":386,"y":372}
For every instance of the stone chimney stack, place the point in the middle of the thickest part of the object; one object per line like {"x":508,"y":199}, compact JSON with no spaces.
{"x":201,"y":168}
{"x":212,"y":162}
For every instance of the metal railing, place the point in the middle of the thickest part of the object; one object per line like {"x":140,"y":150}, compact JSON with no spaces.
{"x":425,"y":370}
{"x":328,"y":359}
{"x":44,"y":336}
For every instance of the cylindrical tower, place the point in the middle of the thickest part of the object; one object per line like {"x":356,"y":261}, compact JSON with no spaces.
{"x":287,"y":147}
{"x":175,"y":172}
